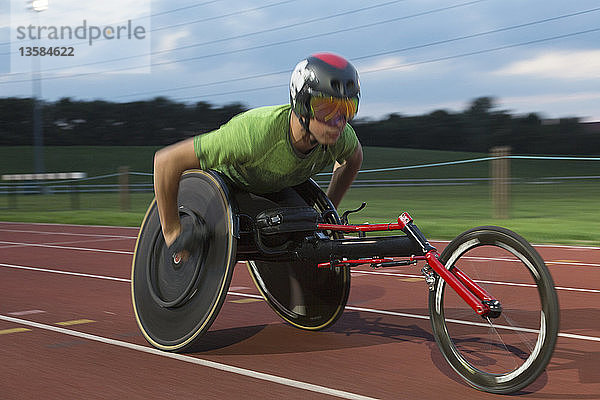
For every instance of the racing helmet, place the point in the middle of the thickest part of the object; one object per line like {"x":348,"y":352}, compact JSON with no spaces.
{"x":324,"y":86}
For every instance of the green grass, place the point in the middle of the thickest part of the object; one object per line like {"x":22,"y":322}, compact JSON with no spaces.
{"x":565,"y":213}
{"x":93,"y":209}
{"x":542,"y":214}
{"x":94,"y":160}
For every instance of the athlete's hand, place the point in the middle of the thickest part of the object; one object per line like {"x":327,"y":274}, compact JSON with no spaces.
{"x":190,"y":236}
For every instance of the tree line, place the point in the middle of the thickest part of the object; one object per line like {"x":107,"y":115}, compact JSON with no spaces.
{"x":161,"y":121}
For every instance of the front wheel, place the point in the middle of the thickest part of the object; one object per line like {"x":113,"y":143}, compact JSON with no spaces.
{"x":504,"y":354}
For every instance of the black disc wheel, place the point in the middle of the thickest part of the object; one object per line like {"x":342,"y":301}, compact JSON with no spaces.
{"x":302,"y":294}
{"x":506,"y":353}
{"x":176,"y":300}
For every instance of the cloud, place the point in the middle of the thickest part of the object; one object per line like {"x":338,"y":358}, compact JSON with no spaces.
{"x":72,"y":12}
{"x":583,"y":64}
{"x":386,"y":64}
{"x":552,"y":98}
{"x":168,"y":41}
{"x":582,"y":104}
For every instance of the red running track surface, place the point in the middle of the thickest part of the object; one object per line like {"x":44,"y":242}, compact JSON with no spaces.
{"x":67,"y":330}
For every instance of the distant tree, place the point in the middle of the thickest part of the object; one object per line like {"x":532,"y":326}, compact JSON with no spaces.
{"x":161,"y":121}
{"x":477,"y":120}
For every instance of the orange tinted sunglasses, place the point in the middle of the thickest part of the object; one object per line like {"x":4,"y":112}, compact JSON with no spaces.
{"x":328,"y":109}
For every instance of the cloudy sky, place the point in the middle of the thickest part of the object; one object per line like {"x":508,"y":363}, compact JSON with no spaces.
{"x":414,"y":56}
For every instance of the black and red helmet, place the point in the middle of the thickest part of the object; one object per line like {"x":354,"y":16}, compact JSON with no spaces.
{"x":322,"y":74}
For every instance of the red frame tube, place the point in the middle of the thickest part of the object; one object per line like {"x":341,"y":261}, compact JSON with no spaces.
{"x":471,"y":285}
{"x":355,"y":262}
{"x":360,"y":228}
{"x":461,"y":289}
{"x":473,"y":294}
{"x":403,"y":220}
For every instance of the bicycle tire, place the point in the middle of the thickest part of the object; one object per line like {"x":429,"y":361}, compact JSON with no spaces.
{"x":505,"y":354}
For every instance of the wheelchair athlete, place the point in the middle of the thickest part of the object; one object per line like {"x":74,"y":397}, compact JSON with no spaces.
{"x":267,"y":150}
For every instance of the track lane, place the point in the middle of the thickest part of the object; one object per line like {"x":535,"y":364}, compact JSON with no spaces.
{"x":374,"y":354}
{"x":94,"y":367}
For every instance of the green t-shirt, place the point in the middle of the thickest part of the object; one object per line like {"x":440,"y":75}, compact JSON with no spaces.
{"x":255,"y":151}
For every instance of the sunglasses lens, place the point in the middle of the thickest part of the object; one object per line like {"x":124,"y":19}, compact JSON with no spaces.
{"x":327,"y":109}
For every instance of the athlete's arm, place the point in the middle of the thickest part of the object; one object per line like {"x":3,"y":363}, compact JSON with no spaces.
{"x":343,"y":176}
{"x":169,"y":164}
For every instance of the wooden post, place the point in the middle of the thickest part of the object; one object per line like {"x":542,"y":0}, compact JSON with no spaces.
{"x":124,"y":188}
{"x":75,"y":204}
{"x":12,"y":196}
{"x":500,"y":172}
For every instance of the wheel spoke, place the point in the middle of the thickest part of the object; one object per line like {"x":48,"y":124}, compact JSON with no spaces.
{"x":524,"y":338}
{"x":495,"y":333}
{"x":510,"y":351}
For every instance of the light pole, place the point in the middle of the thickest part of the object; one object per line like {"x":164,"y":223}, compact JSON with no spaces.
{"x":36,"y":86}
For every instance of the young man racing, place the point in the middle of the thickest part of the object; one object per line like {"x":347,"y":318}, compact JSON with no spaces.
{"x":267,"y":150}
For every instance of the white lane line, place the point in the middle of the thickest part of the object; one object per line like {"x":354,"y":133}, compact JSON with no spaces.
{"x":193,"y":360}
{"x":65,"y":225}
{"x":68,"y":233}
{"x":24,"y":244}
{"x":238,"y":287}
{"x":11,"y":244}
{"x":26,"y":312}
{"x":456,"y":321}
{"x":558,"y":246}
{"x":17,"y":244}
{"x":481,"y":281}
{"x":576,"y":289}
{"x":49,"y":246}
{"x":564,"y":246}
{"x":582,"y":337}
{"x":572,"y":263}
{"x":570,"y":289}
{"x":567,"y":335}
{"x":54,"y":271}
{"x":551,"y":246}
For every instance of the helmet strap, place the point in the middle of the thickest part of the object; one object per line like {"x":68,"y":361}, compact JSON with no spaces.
{"x":307,"y":135}
{"x":305,"y":122}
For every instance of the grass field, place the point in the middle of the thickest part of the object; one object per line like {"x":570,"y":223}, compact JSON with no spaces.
{"x":543,"y":213}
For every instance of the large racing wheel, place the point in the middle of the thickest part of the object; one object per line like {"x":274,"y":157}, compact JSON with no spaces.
{"x":305,"y":296}
{"x":175,"y":302}
{"x":506,"y":353}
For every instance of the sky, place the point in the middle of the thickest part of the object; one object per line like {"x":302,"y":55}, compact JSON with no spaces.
{"x":413,"y":56}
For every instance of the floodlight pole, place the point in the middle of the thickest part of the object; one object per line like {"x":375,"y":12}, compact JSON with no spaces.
{"x":38,"y":132}
{"x":36,"y":87}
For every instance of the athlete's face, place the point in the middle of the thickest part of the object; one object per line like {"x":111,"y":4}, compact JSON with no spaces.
{"x":329,"y":133}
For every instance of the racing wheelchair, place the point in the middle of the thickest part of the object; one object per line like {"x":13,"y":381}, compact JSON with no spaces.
{"x":492,"y":304}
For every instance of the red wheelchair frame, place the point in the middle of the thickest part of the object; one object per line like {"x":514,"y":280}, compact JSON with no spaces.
{"x":474,"y":295}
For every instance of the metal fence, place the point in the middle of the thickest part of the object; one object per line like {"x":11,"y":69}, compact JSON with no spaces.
{"x":124,"y":188}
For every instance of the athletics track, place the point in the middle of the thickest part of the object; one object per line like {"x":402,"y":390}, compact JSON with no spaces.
{"x":67,"y":331}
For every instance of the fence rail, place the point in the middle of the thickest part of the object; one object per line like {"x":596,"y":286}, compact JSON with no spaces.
{"x":17,"y":188}
{"x":49,"y":188}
